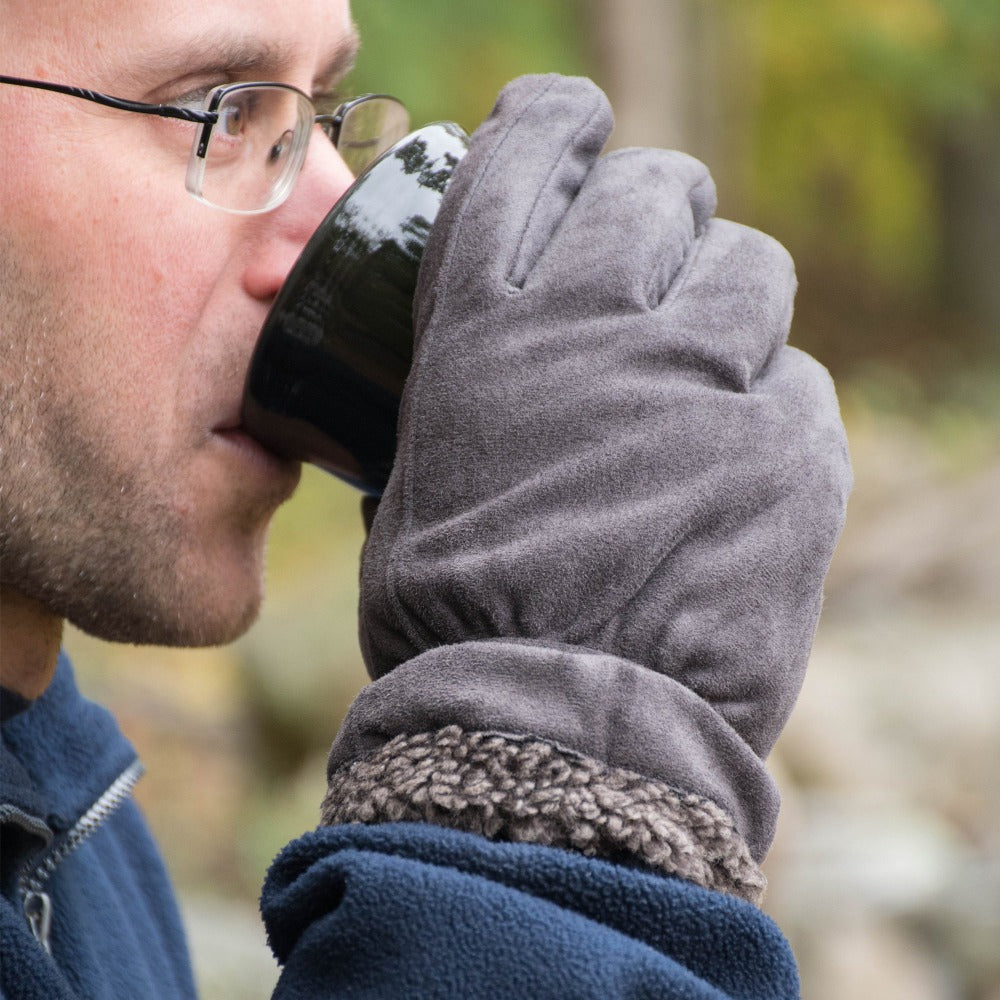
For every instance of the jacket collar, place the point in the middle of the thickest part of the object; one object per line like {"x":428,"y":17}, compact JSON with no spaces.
{"x":57,"y":757}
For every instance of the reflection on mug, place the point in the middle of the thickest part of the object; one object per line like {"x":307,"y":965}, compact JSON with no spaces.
{"x":328,"y":370}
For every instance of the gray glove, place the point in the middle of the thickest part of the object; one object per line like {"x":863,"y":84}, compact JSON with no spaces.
{"x":617,"y":491}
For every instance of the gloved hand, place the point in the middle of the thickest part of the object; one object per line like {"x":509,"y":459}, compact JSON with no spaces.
{"x":617,"y":491}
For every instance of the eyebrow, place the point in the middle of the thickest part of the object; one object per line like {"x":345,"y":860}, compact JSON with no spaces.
{"x":344,"y":57}
{"x":242,"y":57}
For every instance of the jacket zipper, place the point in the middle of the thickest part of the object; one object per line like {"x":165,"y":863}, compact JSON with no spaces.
{"x":35,"y":901}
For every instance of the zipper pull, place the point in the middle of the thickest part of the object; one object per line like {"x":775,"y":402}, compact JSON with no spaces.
{"x":38,"y":910}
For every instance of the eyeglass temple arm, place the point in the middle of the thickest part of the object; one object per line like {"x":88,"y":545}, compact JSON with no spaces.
{"x":330,"y":124}
{"x":162,"y":110}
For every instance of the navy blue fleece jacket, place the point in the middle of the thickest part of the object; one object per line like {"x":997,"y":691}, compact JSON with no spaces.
{"x":114,"y":928}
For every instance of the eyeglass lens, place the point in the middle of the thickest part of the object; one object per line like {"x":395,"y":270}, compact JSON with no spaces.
{"x":369,"y":128}
{"x":255,"y":149}
{"x":258,"y":143}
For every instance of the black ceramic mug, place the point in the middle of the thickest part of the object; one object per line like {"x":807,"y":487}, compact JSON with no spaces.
{"x":327,"y":373}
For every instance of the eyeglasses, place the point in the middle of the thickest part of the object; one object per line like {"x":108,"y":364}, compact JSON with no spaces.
{"x":253,"y":138}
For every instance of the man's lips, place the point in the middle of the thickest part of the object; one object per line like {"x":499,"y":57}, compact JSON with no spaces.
{"x":235,"y":435}
{"x":231,"y":421}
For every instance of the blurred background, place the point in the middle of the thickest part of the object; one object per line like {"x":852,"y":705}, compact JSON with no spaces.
{"x":865,"y":135}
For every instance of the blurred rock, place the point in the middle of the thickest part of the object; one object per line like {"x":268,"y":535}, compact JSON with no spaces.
{"x":228,"y":948}
{"x":869,"y":960}
{"x":858,"y":854}
{"x":923,"y":522}
{"x":885,"y":872}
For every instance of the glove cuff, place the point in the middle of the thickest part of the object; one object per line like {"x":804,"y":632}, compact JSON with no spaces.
{"x":615,"y":712}
{"x":524,"y":789}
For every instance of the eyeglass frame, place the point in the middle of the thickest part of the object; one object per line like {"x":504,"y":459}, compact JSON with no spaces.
{"x":330,"y":124}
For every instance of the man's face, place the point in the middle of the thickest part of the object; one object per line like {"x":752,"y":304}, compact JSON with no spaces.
{"x":130,"y":503}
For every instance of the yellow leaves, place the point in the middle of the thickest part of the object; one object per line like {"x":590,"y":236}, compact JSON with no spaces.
{"x":918,"y":23}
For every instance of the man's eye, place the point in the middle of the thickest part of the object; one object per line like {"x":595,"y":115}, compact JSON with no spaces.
{"x":240,"y":111}
{"x":233,"y":119}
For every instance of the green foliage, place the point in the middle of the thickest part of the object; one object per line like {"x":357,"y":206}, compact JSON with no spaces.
{"x":942,"y":58}
{"x":447,"y":59}
{"x":853,"y":95}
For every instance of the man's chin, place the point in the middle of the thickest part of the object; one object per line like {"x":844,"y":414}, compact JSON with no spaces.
{"x":178,"y":631}
{"x":156,"y":580}
{"x":195,"y":614}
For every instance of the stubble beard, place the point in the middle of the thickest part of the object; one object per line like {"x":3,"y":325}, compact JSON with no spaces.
{"x":90,"y":547}
{"x":93,"y":541}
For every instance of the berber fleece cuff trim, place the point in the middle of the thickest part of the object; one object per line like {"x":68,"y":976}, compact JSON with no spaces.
{"x":523,"y":789}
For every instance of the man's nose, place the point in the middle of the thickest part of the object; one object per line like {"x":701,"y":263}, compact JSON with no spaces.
{"x":284,"y":232}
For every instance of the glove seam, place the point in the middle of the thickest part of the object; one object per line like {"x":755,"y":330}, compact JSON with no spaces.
{"x":518,"y":286}
{"x":666,"y":305}
{"x":653,"y":297}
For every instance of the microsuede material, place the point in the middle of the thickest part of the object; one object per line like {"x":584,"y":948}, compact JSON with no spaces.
{"x":581,"y":701}
{"x":408,"y":910}
{"x":605,"y":446}
{"x":116,"y":931}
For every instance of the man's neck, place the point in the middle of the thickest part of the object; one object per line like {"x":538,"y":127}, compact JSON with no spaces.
{"x":30,"y":637}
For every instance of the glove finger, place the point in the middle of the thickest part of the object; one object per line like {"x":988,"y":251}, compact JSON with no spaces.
{"x":524,"y":167}
{"x":730,"y":607}
{"x":629,"y":231}
{"x":730,"y":308}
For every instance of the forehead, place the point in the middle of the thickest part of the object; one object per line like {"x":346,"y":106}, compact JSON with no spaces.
{"x":115,"y":40}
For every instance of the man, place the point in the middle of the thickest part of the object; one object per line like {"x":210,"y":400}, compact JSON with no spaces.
{"x":589,"y":591}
